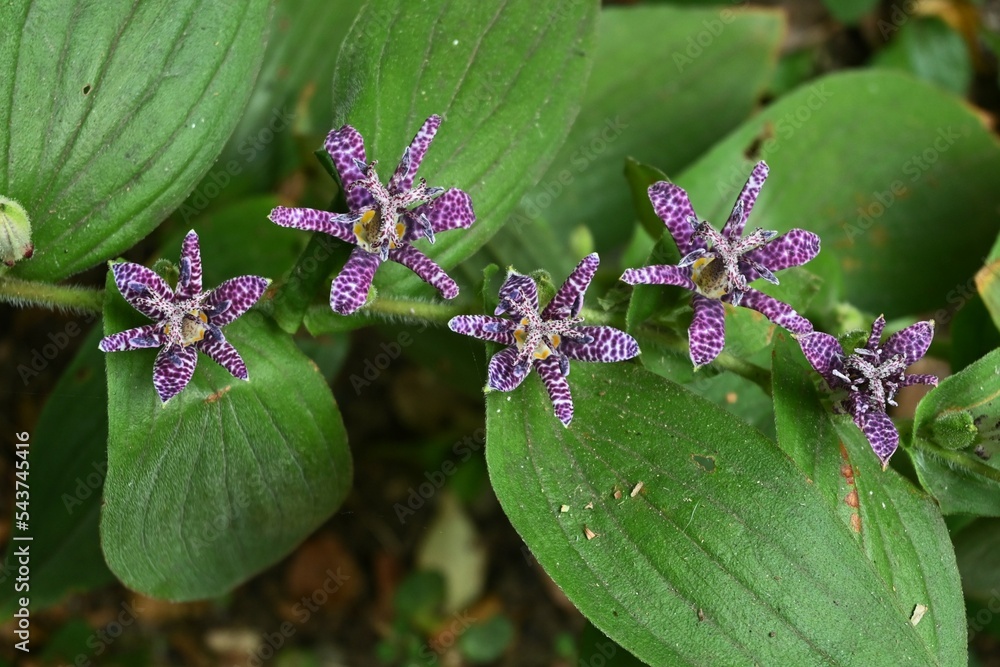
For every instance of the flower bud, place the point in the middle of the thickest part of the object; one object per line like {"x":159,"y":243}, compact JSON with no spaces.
{"x":15,"y":232}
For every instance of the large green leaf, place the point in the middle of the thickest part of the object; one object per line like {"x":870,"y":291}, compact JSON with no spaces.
{"x":692,"y":76}
{"x":956,"y":435}
{"x":877,"y":204}
{"x":898,"y":528}
{"x":507,"y":78}
{"x":112,"y":112}
{"x":67,"y":461}
{"x":228,"y":476}
{"x":727,"y":555}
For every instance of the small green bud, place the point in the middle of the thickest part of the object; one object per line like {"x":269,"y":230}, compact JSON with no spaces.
{"x":15,"y":232}
{"x":954,"y":430}
{"x":546,"y":288}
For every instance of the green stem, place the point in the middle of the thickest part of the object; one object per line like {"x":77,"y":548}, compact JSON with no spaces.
{"x":958,"y":460}
{"x":319,"y":319}
{"x":602,"y":318}
{"x":725,"y":361}
{"x":24,"y":293}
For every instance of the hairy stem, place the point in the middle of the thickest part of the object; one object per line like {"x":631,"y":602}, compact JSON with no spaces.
{"x":24,"y":293}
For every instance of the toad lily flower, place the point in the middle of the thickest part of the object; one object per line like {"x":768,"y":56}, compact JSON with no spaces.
{"x":384,"y":220}
{"x":871,"y":376}
{"x":186,"y":319}
{"x":547,"y":340}
{"x":718,"y":267}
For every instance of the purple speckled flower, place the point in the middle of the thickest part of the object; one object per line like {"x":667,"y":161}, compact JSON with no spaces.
{"x":383,"y":220}
{"x":719,"y":267}
{"x":546,"y":340}
{"x":871,"y":376}
{"x":186,"y":319}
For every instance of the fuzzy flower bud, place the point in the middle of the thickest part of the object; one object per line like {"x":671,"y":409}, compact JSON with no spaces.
{"x":15,"y":232}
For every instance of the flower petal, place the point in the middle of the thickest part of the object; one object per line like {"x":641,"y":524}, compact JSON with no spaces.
{"x":568,"y":300}
{"x":149,"y":335}
{"x":881,"y":433}
{"x":233,"y":298}
{"x":350,"y":289}
{"x":707,"y":334}
{"x":778,"y":312}
{"x":792,"y":249}
{"x":912,"y":342}
{"x":173,"y":369}
{"x":660,"y":274}
{"x":608,"y":344}
{"x":823,"y":352}
{"x":558,"y":387}
{"x":140,"y":286}
{"x":189,"y":283}
{"x":517,"y":288}
{"x":223,"y":353}
{"x":484,"y":327}
{"x":345,"y":146}
{"x":673,"y":207}
{"x":402,"y":179}
{"x":919,"y":378}
{"x":424,"y":266}
{"x":733,"y":228}
{"x":875,"y":337}
{"x":452,"y":210}
{"x":501,"y":375}
{"x":340,"y":225}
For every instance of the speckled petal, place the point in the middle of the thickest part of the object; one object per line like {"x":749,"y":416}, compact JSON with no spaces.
{"x":402,"y":179}
{"x":912,"y":342}
{"x":558,"y":387}
{"x":823,"y":352}
{"x":350,"y":289}
{"x":608,"y":344}
{"x":345,"y":146}
{"x":568,"y":300}
{"x":223,"y":353}
{"x":133,"y":339}
{"x":744,"y":203}
{"x":338,"y":225}
{"x":660,"y":274}
{"x":673,"y":207}
{"x":500,"y":373}
{"x":484,"y":327}
{"x":452,"y":210}
{"x":919,"y":378}
{"x":881,"y":433}
{"x":424,"y":266}
{"x":137,"y":283}
{"x":173,"y":369}
{"x":778,"y":312}
{"x":875,"y":337}
{"x":517,"y":288}
{"x":792,"y":249}
{"x":707,"y":335}
{"x":189,"y":283}
{"x":233,"y":298}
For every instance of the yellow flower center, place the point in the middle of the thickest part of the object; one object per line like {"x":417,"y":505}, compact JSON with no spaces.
{"x":711,"y":277}
{"x":545,"y":347}
{"x":371,"y":229}
{"x":192,"y":328}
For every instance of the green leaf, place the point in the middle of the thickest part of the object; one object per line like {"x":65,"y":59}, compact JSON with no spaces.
{"x":931,"y":50}
{"x":692,"y":76}
{"x":977,"y":549}
{"x":898,"y":528}
{"x":486,"y":641}
{"x":289,"y":101}
{"x":988,"y":283}
{"x":113,"y":112}
{"x":491,"y":70}
{"x":878,"y":206}
{"x":963,"y":475}
{"x":66,"y":464}
{"x":726,"y":551}
{"x":228,"y":476}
